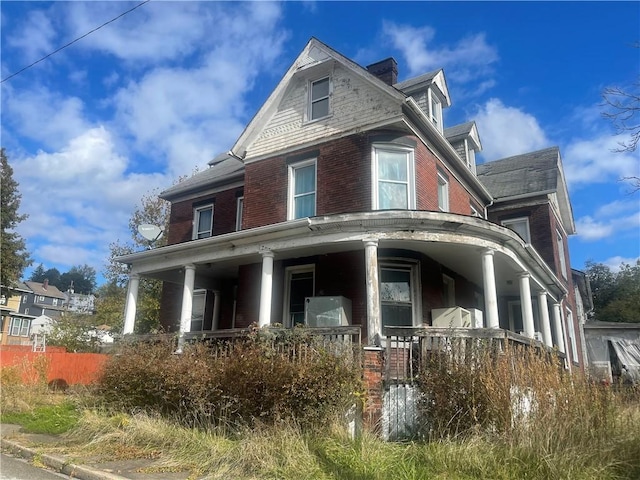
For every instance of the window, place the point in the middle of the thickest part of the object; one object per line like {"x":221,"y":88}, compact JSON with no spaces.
{"x":239,"y":210}
{"x":520,"y":226}
{"x":55,"y":302}
{"x":561,"y":256}
{"x":299,"y":285}
{"x":435,"y":109}
{"x":393,"y":173}
{"x":443,"y":193}
{"x":572,"y":336}
{"x":203,"y":221}
{"x":24,"y":299}
{"x":319,"y":99}
{"x":20,"y":327}
{"x":399,"y":297}
{"x":197,"y":310}
{"x":448,"y":291}
{"x":302,"y":190}
{"x":40,"y":298}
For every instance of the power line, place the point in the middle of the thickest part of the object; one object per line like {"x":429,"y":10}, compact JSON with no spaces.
{"x":73,"y":41}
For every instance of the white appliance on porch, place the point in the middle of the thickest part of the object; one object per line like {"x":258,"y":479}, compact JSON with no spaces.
{"x":327,"y":311}
{"x":456,"y":317}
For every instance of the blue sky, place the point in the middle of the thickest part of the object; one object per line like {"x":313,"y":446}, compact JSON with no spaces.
{"x":162,"y":90}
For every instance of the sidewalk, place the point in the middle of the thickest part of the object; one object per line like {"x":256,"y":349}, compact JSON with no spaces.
{"x":40,"y":447}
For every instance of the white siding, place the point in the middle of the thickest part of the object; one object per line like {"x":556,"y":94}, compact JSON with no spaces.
{"x":354,"y":103}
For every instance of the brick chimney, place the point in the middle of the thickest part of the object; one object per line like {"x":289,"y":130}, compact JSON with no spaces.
{"x":386,"y":70}
{"x":45,"y":283}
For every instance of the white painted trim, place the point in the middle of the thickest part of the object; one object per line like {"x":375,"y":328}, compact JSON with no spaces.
{"x":510,"y":221}
{"x":196,"y":220}
{"x":411,"y":173}
{"x":291,"y":186}
{"x":413,"y":265}
{"x":288,"y":273}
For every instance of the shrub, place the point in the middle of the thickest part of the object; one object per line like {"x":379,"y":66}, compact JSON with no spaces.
{"x":269,"y":376}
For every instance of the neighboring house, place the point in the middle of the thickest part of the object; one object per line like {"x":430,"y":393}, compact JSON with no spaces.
{"x":16,"y":326}
{"x":43,"y":299}
{"x":79,"y":302}
{"x":345,"y":193}
{"x":613,"y":351}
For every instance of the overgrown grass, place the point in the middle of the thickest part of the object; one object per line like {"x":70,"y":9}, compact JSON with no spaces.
{"x":53,"y":419}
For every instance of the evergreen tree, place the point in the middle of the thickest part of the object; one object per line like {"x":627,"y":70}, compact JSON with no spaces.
{"x":14,"y":257}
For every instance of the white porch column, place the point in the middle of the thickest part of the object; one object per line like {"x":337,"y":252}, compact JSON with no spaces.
{"x":544,"y":318}
{"x":374,"y":320}
{"x":557,"y":321}
{"x":266,"y":288}
{"x":490,"y":296}
{"x":216,"y":310}
{"x":132,"y":301}
{"x":187,"y":304}
{"x":526,"y":305}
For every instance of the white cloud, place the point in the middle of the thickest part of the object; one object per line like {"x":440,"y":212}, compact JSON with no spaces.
{"x":469,"y":61}
{"x":615,"y":263}
{"x":506,"y":131}
{"x":604,"y":226}
{"x":34,"y":37}
{"x":595,"y":160}
{"x":590,"y":229}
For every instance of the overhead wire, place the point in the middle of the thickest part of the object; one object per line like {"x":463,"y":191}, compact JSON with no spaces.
{"x":73,"y":41}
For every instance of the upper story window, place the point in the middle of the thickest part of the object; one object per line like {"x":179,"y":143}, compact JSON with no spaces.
{"x":561,"y":255}
{"x":239,"y":210}
{"x":55,"y":302}
{"x":443,"y":193}
{"x":302,"y":189}
{"x":319,"y":98}
{"x":203,"y":221}
{"x":393,"y":178}
{"x":520,"y":226}
{"x":470,"y":156}
{"x":399,"y":294}
{"x":41,"y":298}
{"x":435,"y":110}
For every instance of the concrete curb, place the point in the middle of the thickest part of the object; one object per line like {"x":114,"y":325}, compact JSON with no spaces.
{"x":59,"y":464}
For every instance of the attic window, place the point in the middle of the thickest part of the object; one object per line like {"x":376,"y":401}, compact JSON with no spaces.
{"x":319,"y":99}
{"x":435,"y":109}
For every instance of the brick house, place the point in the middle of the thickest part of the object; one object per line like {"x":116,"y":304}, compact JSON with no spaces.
{"x":345,"y":201}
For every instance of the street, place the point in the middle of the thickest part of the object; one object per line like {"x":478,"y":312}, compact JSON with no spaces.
{"x":14,"y":468}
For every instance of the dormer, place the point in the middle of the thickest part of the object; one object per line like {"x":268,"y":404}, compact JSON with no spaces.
{"x":430,"y":92}
{"x":465,"y":139}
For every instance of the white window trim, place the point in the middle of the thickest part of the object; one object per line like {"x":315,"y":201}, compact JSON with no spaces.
{"x":411,"y":172}
{"x":510,"y":221}
{"x":288,"y":274}
{"x":435,"y":115}
{"x":199,"y":292}
{"x":196,"y":220}
{"x":443,"y":201}
{"x":561,"y":253}
{"x":416,"y":288}
{"x":311,"y":100}
{"x":572,"y":334}
{"x":291,"y":204}
{"x":239,"y":212}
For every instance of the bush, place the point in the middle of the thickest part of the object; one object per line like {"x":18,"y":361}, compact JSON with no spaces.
{"x":266,"y":377}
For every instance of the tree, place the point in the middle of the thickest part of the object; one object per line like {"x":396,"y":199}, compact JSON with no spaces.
{"x":75,"y":332}
{"x":82,"y":277}
{"x":152,"y":210}
{"x":14,"y":257}
{"x":622,"y":107}
{"x":616,"y":295}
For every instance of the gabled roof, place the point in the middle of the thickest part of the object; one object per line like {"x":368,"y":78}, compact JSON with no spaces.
{"x":50,"y":291}
{"x":314,"y":53}
{"x":467,"y":130}
{"x":528,"y":175}
{"x":424,"y":81}
{"x":223,"y":168}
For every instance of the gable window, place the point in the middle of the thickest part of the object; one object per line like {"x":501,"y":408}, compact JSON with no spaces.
{"x":203,"y":221}
{"x":239,"y":210}
{"x":435,"y":110}
{"x":302,"y":189}
{"x":520,"y":226}
{"x":299,"y":285}
{"x":394,"y":178}
{"x":319,"y":99}
{"x":561,"y":256}
{"x":443,"y":193}
{"x":399,"y":297}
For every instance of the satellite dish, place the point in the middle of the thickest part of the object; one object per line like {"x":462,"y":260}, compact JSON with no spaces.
{"x":150,"y":232}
